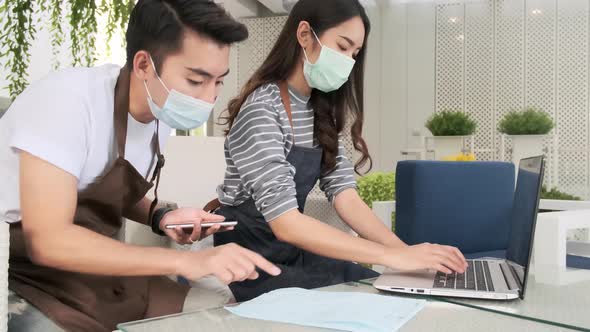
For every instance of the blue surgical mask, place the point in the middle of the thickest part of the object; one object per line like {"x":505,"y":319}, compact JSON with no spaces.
{"x":330,"y":71}
{"x":179,"y":111}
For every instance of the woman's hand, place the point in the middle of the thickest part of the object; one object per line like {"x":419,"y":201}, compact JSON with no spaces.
{"x":194,"y":216}
{"x":445,"y":259}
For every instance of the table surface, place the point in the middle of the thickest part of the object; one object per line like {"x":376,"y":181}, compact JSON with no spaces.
{"x":565,"y":305}
{"x":438,"y":315}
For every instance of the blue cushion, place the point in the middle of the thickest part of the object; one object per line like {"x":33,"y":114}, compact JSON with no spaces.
{"x":463,"y":204}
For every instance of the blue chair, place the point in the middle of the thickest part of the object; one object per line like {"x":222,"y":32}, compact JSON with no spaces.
{"x":463,"y":204}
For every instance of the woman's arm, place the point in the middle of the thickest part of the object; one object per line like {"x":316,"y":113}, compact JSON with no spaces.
{"x":312,"y":235}
{"x":351,"y":208}
{"x":319,"y":238}
{"x":339,"y":186}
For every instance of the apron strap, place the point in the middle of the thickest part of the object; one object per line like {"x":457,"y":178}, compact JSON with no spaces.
{"x":157,"y":170}
{"x":213,"y":205}
{"x":121,"y":111}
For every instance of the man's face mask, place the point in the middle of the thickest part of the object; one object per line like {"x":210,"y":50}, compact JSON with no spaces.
{"x":179,"y":110}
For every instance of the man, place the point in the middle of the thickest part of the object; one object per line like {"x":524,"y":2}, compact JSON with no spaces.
{"x":76,"y":150}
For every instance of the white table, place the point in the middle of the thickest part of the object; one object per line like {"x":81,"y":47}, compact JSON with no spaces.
{"x":436,"y":316}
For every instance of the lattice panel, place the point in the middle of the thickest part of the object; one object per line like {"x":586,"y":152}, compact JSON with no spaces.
{"x":449,"y":57}
{"x":572,"y":96}
{"x":540,"y":62}
{"x":479,"y":60}
{"x":251,"y":53}
{"x":272,"y":29}
{"x":509,"y":61}
{"x":538,"y":52}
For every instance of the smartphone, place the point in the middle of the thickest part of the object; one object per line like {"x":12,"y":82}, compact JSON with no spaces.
{"x":203,"y":225}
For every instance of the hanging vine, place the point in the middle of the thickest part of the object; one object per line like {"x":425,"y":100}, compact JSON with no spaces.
{"x":117,"y":12}
{"x":82,"y":19}
{"x":19,"y":19}
{"x":16,"y":19}
{"x":56,"y":30}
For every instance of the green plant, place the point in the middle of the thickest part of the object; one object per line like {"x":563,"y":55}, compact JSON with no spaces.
{"x":376,"y":187}
{"x":15,"y":42}
{"x":56,"y":30}
{"x":451,"y":123}
{"x":82,"y":19}
{"x":529,"y":121}
{"x":18,"y":26}
{"x":556,"y":194}
{"x":117,"y":12}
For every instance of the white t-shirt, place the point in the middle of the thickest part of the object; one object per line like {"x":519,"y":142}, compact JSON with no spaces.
{"x":66,"y":119}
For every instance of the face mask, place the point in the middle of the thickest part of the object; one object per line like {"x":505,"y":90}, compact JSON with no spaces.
{"x":179,"y":110}
{"x":331,"y":70}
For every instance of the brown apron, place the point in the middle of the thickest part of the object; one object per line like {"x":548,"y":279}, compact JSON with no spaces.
{"x":81,"y":302}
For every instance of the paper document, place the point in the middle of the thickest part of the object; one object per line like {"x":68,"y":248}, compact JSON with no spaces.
{"x":345,"y":311}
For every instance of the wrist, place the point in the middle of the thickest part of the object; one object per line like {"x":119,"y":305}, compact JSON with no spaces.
{"x":157,"y":218}
{"x":394,"y":243}
{"x":190,"y":264}
{"x":385,"y":255}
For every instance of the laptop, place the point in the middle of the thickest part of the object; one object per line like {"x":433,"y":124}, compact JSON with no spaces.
{"x":486,"y":278}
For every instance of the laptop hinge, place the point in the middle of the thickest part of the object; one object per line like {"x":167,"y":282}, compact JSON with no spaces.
{"x":511,"y":279}
{"x":516,"y":276}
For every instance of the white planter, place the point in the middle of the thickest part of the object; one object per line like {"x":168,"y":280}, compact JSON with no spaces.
{"x":444,"y":146}
{"x":383,"y":210}
{"x":524,"y":146}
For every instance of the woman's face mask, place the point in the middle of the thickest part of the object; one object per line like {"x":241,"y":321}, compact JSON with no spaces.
{"x":331,"y":70}
{"x":179,"y":111}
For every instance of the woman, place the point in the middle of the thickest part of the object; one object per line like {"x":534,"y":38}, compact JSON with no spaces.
{"x":284,"y":135}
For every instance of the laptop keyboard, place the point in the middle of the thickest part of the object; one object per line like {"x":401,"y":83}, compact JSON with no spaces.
{"x":476,"y":277}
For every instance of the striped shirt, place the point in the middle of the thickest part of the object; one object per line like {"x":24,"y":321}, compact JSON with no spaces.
{"x":256,"y":150}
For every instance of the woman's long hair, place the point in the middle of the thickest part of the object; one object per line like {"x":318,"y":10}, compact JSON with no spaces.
{"x":329,"y":108}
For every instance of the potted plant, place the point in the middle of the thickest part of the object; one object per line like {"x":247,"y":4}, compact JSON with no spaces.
{"x":450,"y":129}
{"x":527,"y":129}
{"x":377,"y":190}
{"x":555,"y":194}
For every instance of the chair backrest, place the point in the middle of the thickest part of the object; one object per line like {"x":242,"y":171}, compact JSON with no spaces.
{"x":463,"y":204}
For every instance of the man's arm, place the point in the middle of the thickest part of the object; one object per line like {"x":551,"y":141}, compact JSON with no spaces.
{"x":139,"y":213}
{"x":48,"y":198}
{"x":48,"y":203}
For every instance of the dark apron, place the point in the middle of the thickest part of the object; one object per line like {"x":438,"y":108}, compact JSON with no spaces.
{"x":300,"y":268}
{"x":81,"y":302}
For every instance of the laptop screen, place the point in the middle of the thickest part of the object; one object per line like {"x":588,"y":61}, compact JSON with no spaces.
{"x":524,"y":211}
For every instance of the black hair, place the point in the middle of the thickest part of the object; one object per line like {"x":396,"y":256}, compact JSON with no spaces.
{"x":158,"y":26}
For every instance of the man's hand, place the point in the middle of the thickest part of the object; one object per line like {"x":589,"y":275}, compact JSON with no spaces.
{"x":228,"y":263}
{"x":190,"y":216}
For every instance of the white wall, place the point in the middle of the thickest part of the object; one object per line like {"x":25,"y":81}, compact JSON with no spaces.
{"x":520,"y":53}
{"x":373,"y":102}
{"x":407,"y":77}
